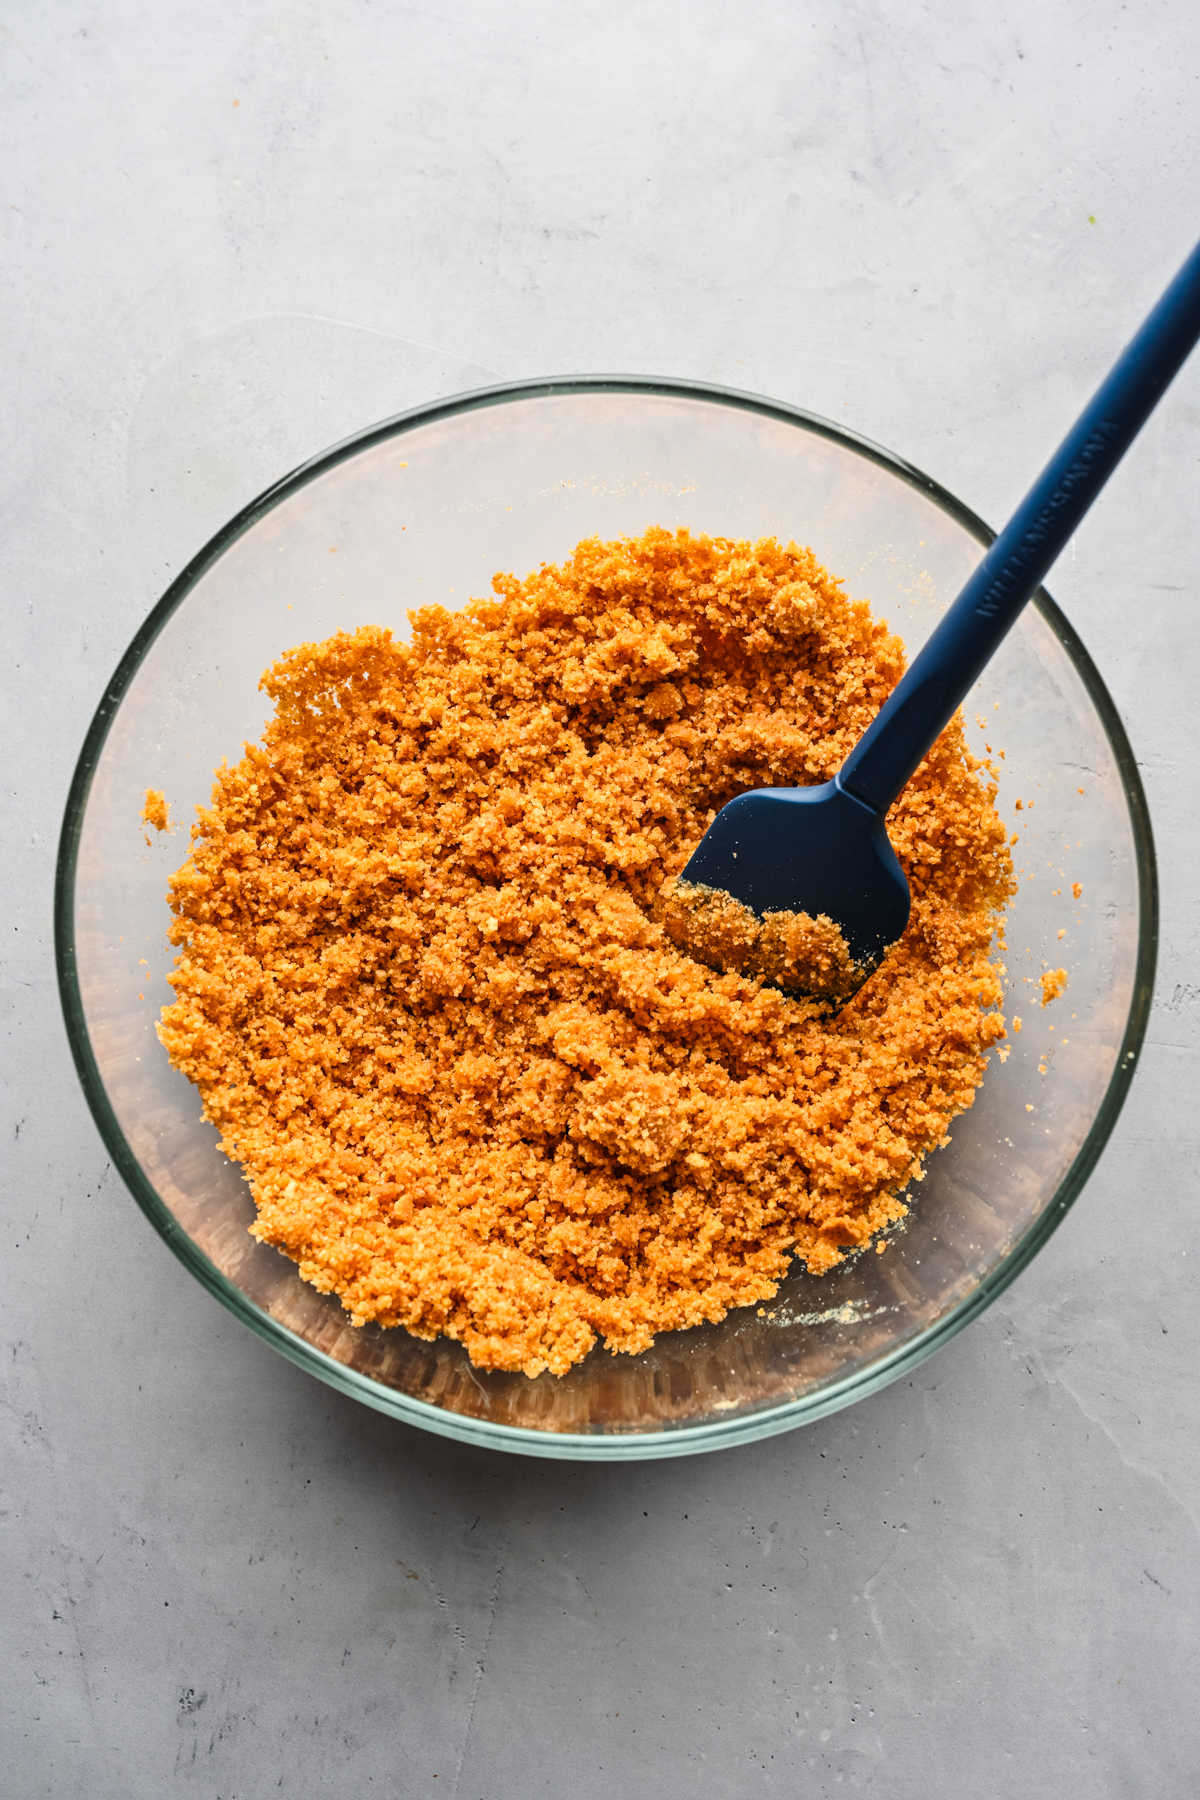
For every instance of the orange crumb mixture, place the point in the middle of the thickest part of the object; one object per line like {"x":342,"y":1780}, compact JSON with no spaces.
{"x":421,"y":985}
{"x":1054,"y":983}
{"x":792,"y":950}
{"x":155,"y":811}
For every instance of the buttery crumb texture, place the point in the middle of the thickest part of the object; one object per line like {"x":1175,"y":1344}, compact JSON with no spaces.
{"x":425,"y":990}
{"x":154,"y":810}
{"x":792,"y":950}
{"x":1054,"y":982}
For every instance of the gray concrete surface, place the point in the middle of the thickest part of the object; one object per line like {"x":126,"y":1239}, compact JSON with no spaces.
{"x":235,"y":233}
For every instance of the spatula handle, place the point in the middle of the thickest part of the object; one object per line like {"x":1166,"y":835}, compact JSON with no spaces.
{"x":923,"y":702}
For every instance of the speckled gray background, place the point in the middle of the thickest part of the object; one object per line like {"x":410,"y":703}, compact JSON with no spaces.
{"x":235,"y":233}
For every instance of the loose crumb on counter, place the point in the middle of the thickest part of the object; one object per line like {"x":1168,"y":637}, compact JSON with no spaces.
{"x":425,"y":992}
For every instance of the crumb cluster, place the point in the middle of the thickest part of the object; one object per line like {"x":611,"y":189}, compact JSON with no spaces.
{"x":155,"y":811}
{"x":426,"y":996}
{"x":1054,"y":982}
{"x":792,"y":950}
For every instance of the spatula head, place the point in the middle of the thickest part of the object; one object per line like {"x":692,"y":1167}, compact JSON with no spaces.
{"x":814,"y":850}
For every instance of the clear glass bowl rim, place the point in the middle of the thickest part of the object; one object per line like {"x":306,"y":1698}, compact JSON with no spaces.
{"x":685,"y":1440}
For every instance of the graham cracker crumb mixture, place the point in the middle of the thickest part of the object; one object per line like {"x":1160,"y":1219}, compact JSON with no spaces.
{"x":422,"y":988}
{"x":1053,"y":982}
{"x":792,"y":950}
{"x":155,"y":811}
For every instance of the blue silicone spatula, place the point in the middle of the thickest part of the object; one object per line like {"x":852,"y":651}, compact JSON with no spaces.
{"x":825,"y":850}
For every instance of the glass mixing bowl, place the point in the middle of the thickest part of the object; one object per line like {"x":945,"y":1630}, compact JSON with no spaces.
{"x":425,"y":508}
